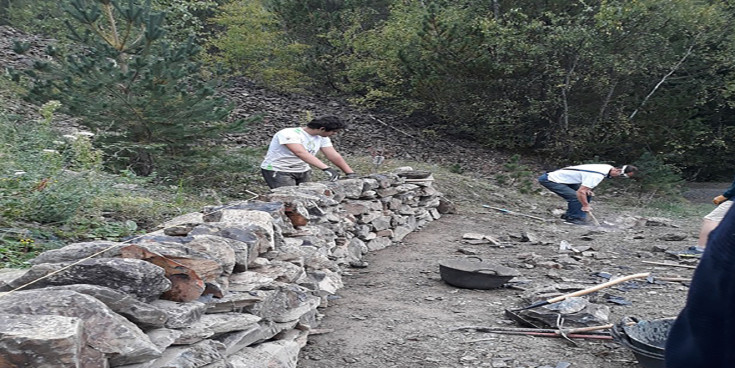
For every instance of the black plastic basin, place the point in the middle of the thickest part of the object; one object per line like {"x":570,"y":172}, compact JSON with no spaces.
{"x":645,"y":338}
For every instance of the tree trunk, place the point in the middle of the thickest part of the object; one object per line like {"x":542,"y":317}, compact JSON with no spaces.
{"x":142,"y":163}
{"x":4,"y":12}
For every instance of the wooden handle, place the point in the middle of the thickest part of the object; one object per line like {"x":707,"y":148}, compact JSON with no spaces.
{"x":585,"y":329}
{"x":594,"y":219}
{"x":599,"y":287}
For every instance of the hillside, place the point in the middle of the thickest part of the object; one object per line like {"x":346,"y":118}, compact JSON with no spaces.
{"x":369,"y":134}
{"x":398,"y":312}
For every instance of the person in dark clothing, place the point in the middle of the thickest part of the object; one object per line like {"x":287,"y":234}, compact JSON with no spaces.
{"x":710,"y":221}
{"x":703,"y":335}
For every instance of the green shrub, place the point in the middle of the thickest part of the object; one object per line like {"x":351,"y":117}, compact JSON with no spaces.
{"x":146,"y":97}
{"x":253,"y":43}
{"x":18,"y":246}
{"x":44,"y":177}
{"x":516,"y":174}
{"x":656,"y":178}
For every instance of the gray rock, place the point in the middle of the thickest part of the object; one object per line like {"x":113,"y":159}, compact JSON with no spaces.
{"x":285,"y":304}
{"x":77,"y":251}
{"x":106,"y":331}
{"x":189,"y":356}
{"x":216,"y":324}
{"x":140,"y":313}
{"x":179,"y":314}
{"x":46,"y":341}
{"x":277,"y":354}
{"x":232,"y":302}
{"x":131,"y":276}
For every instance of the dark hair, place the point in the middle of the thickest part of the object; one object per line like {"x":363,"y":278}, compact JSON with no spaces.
{"x":630,"y":169}
{"x":329,"y":123}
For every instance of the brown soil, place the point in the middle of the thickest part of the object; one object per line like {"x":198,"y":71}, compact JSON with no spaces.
{"x":398,"y":312}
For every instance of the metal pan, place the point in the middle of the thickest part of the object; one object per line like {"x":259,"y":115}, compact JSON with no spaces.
{"x":474,"y":273}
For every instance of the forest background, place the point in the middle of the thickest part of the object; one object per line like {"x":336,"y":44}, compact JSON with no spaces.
{"x":649,"y":82}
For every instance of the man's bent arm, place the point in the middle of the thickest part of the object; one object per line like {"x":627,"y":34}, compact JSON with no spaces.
{"x":337,"y":159}
{"x":582,"y":194}
{"x":301,"y":152}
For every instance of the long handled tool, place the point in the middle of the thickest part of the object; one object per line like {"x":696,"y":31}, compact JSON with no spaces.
{"x":594,"y":219}
{"x":585,"y":291}
{"x":503,"y":210}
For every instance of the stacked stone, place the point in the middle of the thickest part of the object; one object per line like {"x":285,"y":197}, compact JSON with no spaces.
{"x":233,"y":286}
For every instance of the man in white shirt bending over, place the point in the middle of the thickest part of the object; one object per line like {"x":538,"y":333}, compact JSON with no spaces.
{"x":575,"y":184}
{"x":292,"y":152}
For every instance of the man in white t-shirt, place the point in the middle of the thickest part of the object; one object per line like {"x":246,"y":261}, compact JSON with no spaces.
{"x":575,"y":184}
{"x":292,"y":152}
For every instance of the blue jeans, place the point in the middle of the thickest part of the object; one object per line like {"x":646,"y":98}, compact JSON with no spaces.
{"x":569,"y":193}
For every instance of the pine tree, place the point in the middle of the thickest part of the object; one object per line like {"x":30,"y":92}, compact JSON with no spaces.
{"x":147,"y":99}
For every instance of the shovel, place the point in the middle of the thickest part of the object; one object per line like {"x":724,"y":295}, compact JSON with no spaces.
{"x":503,"y":210}
{"x":644,"y":275}
{"x":594,"y":219}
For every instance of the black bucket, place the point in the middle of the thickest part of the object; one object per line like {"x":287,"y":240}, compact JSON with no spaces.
{"x":646,"y":339}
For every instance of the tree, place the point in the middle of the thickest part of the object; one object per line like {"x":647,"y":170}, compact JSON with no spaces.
{"x":147,"y":99}
{"x":252,"y":43}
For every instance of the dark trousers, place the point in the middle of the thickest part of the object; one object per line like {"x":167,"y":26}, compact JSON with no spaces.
{"x":276,"y":179}
{"x":569,"y":193}
{"x":704,"y":332}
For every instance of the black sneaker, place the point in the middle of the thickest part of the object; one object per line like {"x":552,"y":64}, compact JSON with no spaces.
{"x":575,"y":222}
{"x":564,"y":216}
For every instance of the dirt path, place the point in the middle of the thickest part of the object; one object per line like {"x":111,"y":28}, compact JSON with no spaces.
{"x":399,"y":313}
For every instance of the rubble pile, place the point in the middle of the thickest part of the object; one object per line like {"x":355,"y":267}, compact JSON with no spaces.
{"x":239,"y":285}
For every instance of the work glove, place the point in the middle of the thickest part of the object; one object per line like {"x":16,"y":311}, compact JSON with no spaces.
{"x":331,"y":173}
{"x":351,"y":175}
{"x":719,"y":199}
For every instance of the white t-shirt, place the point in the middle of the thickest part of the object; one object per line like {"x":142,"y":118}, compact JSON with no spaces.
{"x":592,"y":175}
{"x":280,"y":158}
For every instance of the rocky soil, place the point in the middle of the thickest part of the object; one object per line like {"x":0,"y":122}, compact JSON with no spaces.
{"x":398,"y":312}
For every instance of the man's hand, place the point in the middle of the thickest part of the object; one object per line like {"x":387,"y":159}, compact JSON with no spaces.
{"x":332,"y":174}
{"x":351,"y":175}
{"x":719,"y":199}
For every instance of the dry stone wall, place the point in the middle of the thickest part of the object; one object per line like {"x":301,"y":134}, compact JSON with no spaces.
{"x":234,"y":286}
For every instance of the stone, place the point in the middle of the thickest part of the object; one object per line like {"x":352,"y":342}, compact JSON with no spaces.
{"x":217,"y":247}
{"x":285,"y":304}
{"x":210,"y":325}
{"x":107,"y":332}
{"x":248,"y":281}
{"x":186,"y":282}
{"x":179,"y":314}
{"x":140,"y":313}
{"x":352,"y":188}
{"x":45,"y":341}
{"x":324,"y":280}
{"x":187,"y":220}
{"x":232,"y":302}
{"x":144,"y":280}
{"x":163,"y":337}
{"x":189,"y":356}
{"x":245,"y":241}
{"x":378,"y":244}
{"x":76,"y":251}
{"x":277,"y":354}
